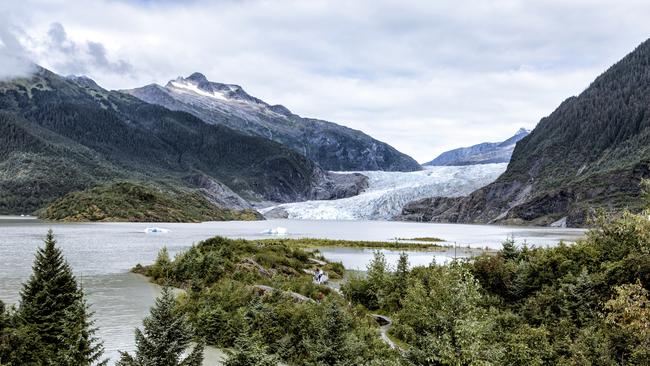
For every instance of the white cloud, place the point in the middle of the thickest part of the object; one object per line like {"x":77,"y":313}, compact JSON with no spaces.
{"x":14,"y":61}
{"x":423,"y":76}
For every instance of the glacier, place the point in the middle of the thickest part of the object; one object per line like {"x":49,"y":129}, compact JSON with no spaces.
{"x":388,"y":192}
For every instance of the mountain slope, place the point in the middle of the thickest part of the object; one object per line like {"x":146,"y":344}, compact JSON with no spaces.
{"x":332,"y":146}
{"x":484,"y":153}
{"x":66,"y":134}
{"x":590,"y":152}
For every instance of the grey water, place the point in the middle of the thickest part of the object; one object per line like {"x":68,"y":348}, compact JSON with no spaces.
{"x":101,"y":255}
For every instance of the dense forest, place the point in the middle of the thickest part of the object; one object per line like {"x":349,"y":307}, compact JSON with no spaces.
{"x":88,"y":136}
{"x":126,"y":201}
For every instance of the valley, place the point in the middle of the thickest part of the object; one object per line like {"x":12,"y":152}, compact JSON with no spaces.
{"x":339,"y":185}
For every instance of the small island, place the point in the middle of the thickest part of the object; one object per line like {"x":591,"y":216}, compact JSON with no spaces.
{"x":139,"y":202}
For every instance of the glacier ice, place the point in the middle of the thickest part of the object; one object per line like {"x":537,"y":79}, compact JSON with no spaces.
{"x":388,"y":192}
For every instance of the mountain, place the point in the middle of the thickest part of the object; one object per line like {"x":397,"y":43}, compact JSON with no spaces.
{"x":59,"y":135}
{"x":332,"y":146}
{"x":591,"y":152}
{"x":484,"y":153}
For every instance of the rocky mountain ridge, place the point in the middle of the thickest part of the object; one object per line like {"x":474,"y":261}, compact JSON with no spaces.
{"x":333,"y":147}
{"x":483,"y":153}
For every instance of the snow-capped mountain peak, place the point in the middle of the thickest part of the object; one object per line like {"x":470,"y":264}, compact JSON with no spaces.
{"x":191,"y":87}
{"x":198,"y":84}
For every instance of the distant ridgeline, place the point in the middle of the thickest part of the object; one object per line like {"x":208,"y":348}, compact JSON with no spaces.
{"x":590,"y":153}
{"x":484,"y":153}
{"x":59,"y":135}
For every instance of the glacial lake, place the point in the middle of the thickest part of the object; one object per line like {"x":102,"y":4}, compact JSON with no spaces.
{"x":101,"y":255}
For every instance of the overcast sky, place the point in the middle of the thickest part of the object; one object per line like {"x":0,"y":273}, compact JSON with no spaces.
{"x":424,"y":76}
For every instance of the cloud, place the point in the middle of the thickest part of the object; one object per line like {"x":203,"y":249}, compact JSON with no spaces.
{"x":14,"y":61}
{"x":70,"y":57}
{"x":424,"y":76}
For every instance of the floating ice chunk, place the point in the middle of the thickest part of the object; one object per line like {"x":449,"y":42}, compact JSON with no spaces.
{"x":155,"y":230}
{"x":276,"y":231}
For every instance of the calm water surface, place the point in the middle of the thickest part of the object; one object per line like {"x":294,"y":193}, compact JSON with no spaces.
{"x":101,"y":255}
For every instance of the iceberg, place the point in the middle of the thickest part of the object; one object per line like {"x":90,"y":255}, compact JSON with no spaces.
{"x":276,"y":231}
{"x":155,"y":230}
{"x":389,"y":192}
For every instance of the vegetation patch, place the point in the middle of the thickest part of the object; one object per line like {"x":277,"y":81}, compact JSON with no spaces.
{"x":581,"y":304}
{"x":393,"y":245}
{"x":230,"y":303}
{"x":431,"y":239}
{"x":135,"y":202}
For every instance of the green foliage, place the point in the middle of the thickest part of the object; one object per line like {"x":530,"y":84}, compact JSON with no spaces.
{"x":299,"y":322}
{"x":423,"y":238}
{"x":250,"y":351}
{"x":52,"y":324}
{"x":580,"y":304}
{"x":379,"y":289}
{"x":629,"y":318}
{"x":127,"y":201}
{"x":396,"y":245}
{"x":166,"y":338}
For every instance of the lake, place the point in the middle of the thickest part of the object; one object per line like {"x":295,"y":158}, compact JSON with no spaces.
{"x":101,"y":255}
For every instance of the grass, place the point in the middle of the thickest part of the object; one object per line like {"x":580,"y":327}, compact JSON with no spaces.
{"x":431,"y":239}
{"x":395,"y":245}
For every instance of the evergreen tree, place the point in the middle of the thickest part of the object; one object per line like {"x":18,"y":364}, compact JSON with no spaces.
{"x":4,"y":318}
{"x":377,"y":280}
{"x":400,"y":281}
{"x":509,"y":249}
{"x":166,"y":337}
{"x":53,"y":315}
{"x":79,"y":337}
{"x":250,"y":351}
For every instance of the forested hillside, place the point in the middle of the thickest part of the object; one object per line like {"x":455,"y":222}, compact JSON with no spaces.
{"x":590,"y":153}
{"x":66,"y":134}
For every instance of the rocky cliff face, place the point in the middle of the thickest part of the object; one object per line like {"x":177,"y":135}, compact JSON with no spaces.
{"x":332,"y":146}
{"x":484,"y":153}
{"x":590,"y":153}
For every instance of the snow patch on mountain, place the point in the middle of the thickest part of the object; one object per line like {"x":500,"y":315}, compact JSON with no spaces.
{"x":389,"y":192}
{"x":195,"y":89}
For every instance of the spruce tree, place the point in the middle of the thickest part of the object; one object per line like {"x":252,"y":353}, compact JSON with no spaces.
{"x":250,"y":351}
{"x":166,"y":337}
{"x":400,"y":281}
{"x":509,"y":249}
{"x":53,"y":311}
